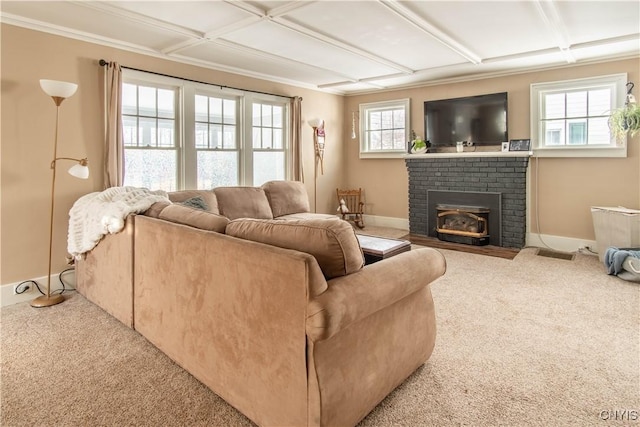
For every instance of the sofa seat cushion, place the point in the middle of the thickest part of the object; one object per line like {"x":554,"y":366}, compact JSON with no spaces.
{"x":243,"y":202}
{"x":286,"y":197}
{"x":332,"y":242}
{"x":207,"y":196}
{"x":197,"y":218}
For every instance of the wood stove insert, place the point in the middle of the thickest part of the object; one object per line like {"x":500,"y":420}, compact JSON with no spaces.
{"x":476,"y":203}
{"x":463,"y":224}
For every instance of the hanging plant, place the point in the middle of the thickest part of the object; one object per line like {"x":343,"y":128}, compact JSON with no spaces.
{"x":625,"y":120}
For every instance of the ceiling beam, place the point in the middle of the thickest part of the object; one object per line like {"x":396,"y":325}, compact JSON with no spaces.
{"x":182,"y":45}
{"x":431,"y":30}
{"x":348,"y":83}
{"x":247,"y":7}
{"x":549,"y":14}
{"x":288,"y":7}
{"x":234,"y":26}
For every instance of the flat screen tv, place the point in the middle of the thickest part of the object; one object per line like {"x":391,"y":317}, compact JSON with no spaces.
{"x":480,"y":120}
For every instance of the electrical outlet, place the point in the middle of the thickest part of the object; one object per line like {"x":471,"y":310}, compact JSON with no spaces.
{"x":22,"y":288}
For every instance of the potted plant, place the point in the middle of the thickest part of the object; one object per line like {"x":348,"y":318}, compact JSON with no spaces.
{"x":417,"y":144}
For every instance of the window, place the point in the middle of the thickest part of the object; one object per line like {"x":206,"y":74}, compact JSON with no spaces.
{"x":216,"y":143}
{"x":383,"y":129}
{"x":180,"y":134}
{"x":570,"y":118}
{"x":268,"y":142}
{"x":149,"y":136}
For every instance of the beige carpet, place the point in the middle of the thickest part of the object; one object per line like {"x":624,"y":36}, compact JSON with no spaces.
{"x":529,"y":341}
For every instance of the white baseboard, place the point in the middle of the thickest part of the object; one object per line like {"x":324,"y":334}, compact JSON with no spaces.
{"x":386,"y":221}
{"x":7,"y":297}
{"x":565,"y":244}
{"x":559,"y":243}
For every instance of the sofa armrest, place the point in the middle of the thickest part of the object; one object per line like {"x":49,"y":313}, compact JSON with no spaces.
{"x":358,"y":295}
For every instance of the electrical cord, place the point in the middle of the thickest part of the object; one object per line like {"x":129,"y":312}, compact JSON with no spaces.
{"x":65,"y":287}
{"x":537,"y":208}
{"x":21,"y":288}
{"x":537,"y":214}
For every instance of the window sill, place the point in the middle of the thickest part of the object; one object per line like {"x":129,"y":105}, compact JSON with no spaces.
{"x":383,"y":155}
{"x":620,"y":151}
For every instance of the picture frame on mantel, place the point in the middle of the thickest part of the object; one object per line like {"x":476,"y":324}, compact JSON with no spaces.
{"x":519,"y":145}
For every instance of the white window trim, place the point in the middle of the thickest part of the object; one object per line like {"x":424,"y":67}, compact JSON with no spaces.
{"x":383,"y":154}
{"x":613,"y":150}
{"x":185,"y":137}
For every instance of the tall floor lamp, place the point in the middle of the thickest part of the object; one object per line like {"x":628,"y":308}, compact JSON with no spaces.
{"x":59,"y":91}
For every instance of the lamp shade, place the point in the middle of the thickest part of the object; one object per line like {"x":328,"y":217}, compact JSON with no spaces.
{"x":58,"y":88}
{"x":79,"y":171}
{"x":316,"y":123}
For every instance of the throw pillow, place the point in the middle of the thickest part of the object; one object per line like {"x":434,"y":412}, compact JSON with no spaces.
{"x":197,"y":218}
{"x":207,"y":195}
{"x":332,"y":242}
{"x":243,"y":202}
{"x":196,"y":203}
{"x":286,"y":197}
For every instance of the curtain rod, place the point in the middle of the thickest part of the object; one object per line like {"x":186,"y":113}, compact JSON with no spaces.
{"x":103,"y":63}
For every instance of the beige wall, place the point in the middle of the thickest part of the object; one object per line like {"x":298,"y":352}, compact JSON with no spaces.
{"x":28,"y":120}
{"x":567,"y":188}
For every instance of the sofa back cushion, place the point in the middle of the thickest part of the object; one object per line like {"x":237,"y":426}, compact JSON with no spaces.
{"x":286,"y":197}
{"x":155,"y":209}
{"x":332,"y":242}
{"x":197,"y":218}
{"x":207,"y":196}
{"x":243,"y":202}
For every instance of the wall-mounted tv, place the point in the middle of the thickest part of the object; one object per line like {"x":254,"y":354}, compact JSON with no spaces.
{"x":481,"y":120}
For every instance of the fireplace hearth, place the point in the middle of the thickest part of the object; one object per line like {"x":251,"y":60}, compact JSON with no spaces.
{"x":463,"y":224}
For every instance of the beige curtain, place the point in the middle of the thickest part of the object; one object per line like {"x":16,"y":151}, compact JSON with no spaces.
{"x":114,"y":150}
{"x":296,"y":138}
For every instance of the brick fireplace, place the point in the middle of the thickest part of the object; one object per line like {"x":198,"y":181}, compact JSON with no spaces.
{"x":467,"y":178}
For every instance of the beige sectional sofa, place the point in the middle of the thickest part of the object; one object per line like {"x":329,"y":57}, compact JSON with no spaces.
{"x":268,"y":304}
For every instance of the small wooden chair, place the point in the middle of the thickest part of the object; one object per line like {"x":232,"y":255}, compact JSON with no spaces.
{"x":353,"y":207}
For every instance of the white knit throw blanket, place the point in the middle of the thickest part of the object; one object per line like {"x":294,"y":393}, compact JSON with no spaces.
{"x":93,"y":216}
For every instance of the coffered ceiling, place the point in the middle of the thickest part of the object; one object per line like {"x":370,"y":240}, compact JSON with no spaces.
{"x":350,"y":46}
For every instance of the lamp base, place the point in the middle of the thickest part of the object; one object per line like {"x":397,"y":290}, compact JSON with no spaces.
{"x":47,"y":301}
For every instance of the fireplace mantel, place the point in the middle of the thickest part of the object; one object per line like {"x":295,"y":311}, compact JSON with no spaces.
{"x":467,"y":154}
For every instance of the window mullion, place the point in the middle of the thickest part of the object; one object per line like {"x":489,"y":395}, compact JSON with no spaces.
{"x":246,"y":142}
{"x":188,"y":141}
